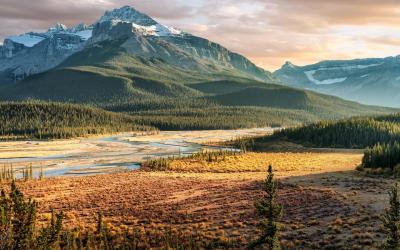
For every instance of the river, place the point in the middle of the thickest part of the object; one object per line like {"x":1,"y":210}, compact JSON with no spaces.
{"x":110,"y":154}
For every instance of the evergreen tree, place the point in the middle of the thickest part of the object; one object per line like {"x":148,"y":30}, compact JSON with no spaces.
{"x":382,"y":156}
{"x":23,"y":219}
{"x":18,"y":220}
{"x":270,"y":212}
{"x":49,"y":236}
{"x":391,"y":221}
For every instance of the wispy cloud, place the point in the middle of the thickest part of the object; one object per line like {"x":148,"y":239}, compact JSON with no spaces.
{"x":267,"y":31}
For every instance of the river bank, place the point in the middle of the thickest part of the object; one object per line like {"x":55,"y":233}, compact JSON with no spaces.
{"x":110,"y":154}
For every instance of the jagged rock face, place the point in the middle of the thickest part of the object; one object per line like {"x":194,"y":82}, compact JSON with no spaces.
{"x":11,"y":48}
{"x":32,"y":53}
{"x":218,"y":55}
{"x":59,"y":27}
{"x":17,"y":64}
{"x":110,"y":30}
{"x":371,"y":81}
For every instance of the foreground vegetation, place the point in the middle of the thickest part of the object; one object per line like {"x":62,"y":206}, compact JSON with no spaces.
{"x":18,"y":224}
{"x":40,"y":120}
{"x":270,"y":212}
{"x":385,"y":156}
{"x":215,"y":211}
{"x":19,"y":229}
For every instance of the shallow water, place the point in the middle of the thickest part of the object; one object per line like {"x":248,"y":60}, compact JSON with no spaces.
{"x":115,"y":153}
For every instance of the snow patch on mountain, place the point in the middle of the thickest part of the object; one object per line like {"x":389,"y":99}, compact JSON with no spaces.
{"x":140,"y":22}
{"x":59,"y":27}
{"x":310,"y":73}
{"x":350,"y":67}
{"x":128,"y":14}
{"x":310,"y":76}
{"x":31,"y":39}
{"x":28,"y":40}
{"x":85,"y":34}
{"x":156,"y":30}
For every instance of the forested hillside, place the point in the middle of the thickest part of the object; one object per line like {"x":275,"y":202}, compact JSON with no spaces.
{"x":379,"y":136}
{"x":203,"y":113}
{"x":351,"y":133}
{"x":171,"y":97}
{"x":39,"y":120}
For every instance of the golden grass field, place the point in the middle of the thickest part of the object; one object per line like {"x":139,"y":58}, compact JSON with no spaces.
{"x":327,"y":204}
{"x":302,"y":162}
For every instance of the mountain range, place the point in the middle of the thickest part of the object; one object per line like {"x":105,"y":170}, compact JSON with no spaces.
{"x":127,"y":59}
{"x":33,"y":53}
{"x":373,"y":81}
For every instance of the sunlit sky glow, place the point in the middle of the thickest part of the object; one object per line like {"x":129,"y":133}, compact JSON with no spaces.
{"x":269,"y":32}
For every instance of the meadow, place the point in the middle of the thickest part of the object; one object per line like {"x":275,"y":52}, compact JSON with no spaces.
{"x":327,"y":203}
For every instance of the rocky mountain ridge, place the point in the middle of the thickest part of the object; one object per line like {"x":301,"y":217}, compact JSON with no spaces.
{"x":371,"y":81}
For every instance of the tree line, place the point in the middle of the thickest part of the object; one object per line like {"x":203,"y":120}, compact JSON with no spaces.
{"x":200,"y":114}
{"x":42,"y":120}
{"x":350,"y":133}
{"x":386,"y":155}
{"x":379,"y":136}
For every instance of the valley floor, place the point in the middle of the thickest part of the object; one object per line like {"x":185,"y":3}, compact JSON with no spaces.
{"x":326,"y":202}
{"x":110,"y":153}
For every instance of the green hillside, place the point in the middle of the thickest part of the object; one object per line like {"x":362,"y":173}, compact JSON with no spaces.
{"x":265,"y":97}
{"x":40,"y":120}
{"x":159,"y":94}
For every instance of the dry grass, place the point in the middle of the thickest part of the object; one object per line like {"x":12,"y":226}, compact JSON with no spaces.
{"x":322,"y":209}
{"x":305,"y":162}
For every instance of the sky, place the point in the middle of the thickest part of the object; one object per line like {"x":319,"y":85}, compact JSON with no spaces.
{"x":268,"y":32}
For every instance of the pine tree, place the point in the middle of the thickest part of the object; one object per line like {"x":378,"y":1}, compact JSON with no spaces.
{"x":49,"y":236}
{"x":23,"y":219}
{"x":100,"y":225}
{"x":18,"y":221}
{"x":391,"y":221}
{"x":270,"y":212}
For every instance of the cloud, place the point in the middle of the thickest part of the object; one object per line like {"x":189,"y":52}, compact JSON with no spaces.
{"x":267,"y":31}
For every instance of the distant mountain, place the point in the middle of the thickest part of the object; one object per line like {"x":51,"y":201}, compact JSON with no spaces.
{"x":370,"y":81}
{"x":32,"y":53}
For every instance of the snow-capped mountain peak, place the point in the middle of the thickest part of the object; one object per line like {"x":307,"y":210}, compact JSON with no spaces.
{"x":141,"y":23}
{"x":78,"y":28}
{"x":128,"y":14}
{"x":59,"y":27}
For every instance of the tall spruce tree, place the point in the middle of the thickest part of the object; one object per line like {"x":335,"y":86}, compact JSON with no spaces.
{"x":391,"y":220}
{"x":270,"y":212}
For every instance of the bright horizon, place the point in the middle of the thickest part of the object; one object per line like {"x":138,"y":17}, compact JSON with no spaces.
{"x":268,"y":32}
